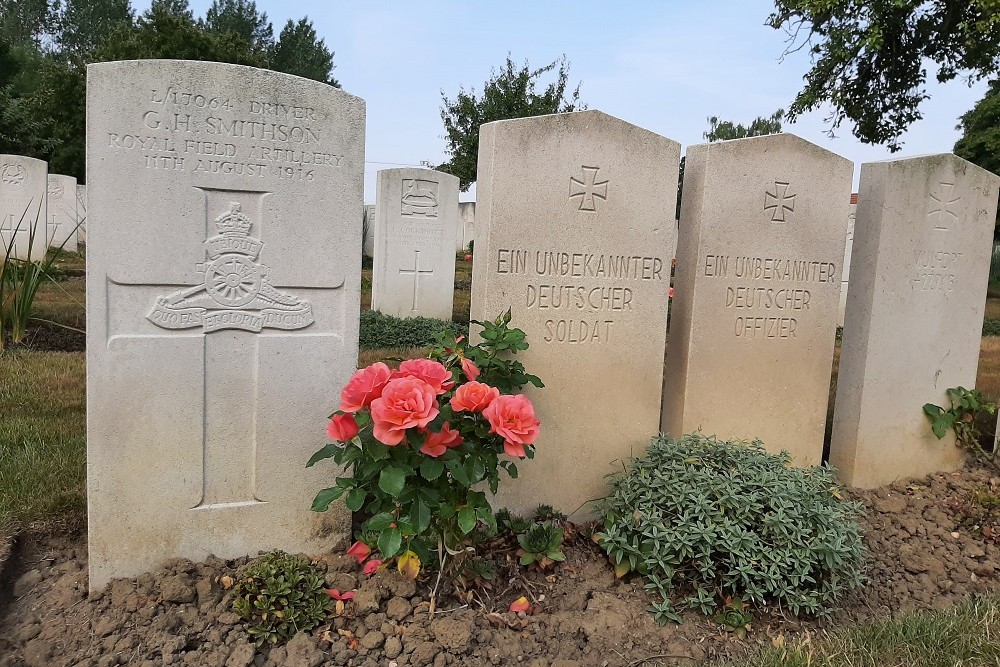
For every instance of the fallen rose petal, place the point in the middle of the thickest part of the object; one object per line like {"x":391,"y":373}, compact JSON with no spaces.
{"x":520,"y":604}
{"x":359,"y":551}
{"x":371,"y":567}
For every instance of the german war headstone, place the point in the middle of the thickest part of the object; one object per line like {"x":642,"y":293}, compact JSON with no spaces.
{"x":574,"y":219}
{"x":919,"y":273}
{"x":416,"y":222}
{"x":223,"y":294}
{"x":22,"y":206}
{"x":762,"y":231}
{"x":60,"y":231}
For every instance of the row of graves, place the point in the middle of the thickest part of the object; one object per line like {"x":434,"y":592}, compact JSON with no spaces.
{"x":224,"y":282}
{"x":39,"y":210}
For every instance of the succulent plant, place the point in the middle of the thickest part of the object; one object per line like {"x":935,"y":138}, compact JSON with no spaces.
{"x":542,"y":544}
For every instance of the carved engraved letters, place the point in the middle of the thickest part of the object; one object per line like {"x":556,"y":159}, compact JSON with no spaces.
{"x":236,"y":293}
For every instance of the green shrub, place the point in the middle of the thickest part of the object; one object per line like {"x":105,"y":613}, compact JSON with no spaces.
{"x":379,"y":331}
{"x":279,"y":595}
{"x":991,"y":327}
{"x":710,"y":518}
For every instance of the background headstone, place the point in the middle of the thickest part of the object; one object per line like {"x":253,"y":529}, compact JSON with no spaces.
{"x":467,"y":230}
{"x":752,"y":327}
{"x":22,"y":206}
{"x":62,"y":214}
{"x":574,"y":219}
{"x":844,"y":279}
{"x":368,"y":247}
{"x":416,"y":222}
{"x":918,"y":291}
{"x":222,"y":308}
{"x":81,"y":213}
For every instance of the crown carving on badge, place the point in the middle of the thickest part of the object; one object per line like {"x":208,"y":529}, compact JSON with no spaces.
{"x":234,"y":221}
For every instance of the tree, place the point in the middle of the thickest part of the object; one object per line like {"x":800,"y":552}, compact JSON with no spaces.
{"x":241,"y":18}
{"x":507,"y":94}
{"x":724,"y":130}
{"x":980,"y":141}
{"x":84,"y":25}
{"x":299,"y":51}
{"x":27,"y":21}
{"x":869,"y":57}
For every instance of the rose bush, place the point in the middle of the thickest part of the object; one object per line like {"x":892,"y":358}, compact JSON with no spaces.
{"x":418,"y":441}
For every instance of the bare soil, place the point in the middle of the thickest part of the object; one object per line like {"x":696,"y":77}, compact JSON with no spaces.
{"x":920,"y":556}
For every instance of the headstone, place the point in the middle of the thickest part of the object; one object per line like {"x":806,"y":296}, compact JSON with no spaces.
{"x":415,"y":225}
{"x":920,"y":268}
{"x":847,"y":260}
{"x":222,"y":308}
{"x":368,"y":248}
{"x":22,"y":206}
{"x":61,"y":229}
{"x":573,"y":234}
{"x":81,"y":213}
{"x":467,"y":230}
{"x":753,"y":324}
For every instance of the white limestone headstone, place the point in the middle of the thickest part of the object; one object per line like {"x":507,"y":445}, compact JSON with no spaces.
{"x":467,"y":230}
{"x":844,"y":279}
{"x":223,"y":295}
{"x":919,"y":274}
{"x":61,"y":229}
{"x":415,"y":226}
{"x":368,"y":248}
{"x":81,"y":212}
{"x":22,"y":206}
{"x":574,"y":225}
{"x":753,"y":324}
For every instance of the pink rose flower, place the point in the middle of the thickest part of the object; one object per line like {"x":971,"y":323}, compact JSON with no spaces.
{"x":436,"y":444}
{"x":359,"y":551}
{"x":473,"y":397}
{"x":371,"y":567}
{"x":428,"y":370}
{"x":513,"y":419}
{"x":342,"y":427}
{"x":364,"y":387}
{"x":406,"y":402}
{"x":470,"y":369}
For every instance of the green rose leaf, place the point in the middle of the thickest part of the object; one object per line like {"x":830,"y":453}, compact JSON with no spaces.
{"x":356,"y":499}
{"x":327,"y":452}
{"x":392,"y":481}
{"x":325,"y":497}
{"x":389,"y":542}
{"x":466,"y":520}
{"x":431,"y":469}
{"x":379,"y":522}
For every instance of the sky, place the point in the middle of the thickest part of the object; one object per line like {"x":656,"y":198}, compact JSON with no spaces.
{"x":665,"y":66}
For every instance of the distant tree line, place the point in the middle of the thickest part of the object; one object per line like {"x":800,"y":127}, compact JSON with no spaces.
{"x":45,"y":46}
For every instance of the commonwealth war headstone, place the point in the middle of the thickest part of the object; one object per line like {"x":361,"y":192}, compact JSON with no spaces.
{"x":222,"y":307}
{"x":467,"y":229}
{"x":919,"y":274}
{"x":22,"y":206}
{"x":368,"y":246}
{"x":845,"y":277}
{"x":60,"y":231}
{"x":574,"y":219}
{"x":81,"y":214}
{"x":416,"y":221}
{"x":762,"y":231}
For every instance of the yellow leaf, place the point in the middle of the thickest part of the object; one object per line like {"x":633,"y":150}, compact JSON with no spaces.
{"x":339,"y":608}
{"x":520,"y":604}
{"x":409,"y":565}
{"x":621,"y":569}
{"x":227,"y":582}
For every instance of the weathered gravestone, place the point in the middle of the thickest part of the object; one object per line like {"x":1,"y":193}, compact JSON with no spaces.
{"x":846,"y":266}
{"x":574,"y":219}
{"x":762,"y":232}
{"x":915,"y":313}
{"x":61,"y":229}
{"x":222,"y":307}
{"x":368,"y":247}
{"x":81,"y":214}
{"x":22,"y":206}
{"x":416,"y":221}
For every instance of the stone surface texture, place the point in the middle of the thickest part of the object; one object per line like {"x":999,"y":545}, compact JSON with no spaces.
{"x":81,"y":213}
{"x":574,"y":226}
{"x":61,"y":229}
{"x":222,"y":308}
{"x":416,"y":222}
{"x":22,"y":206}
{"x":915,"y":312}
{"x":762,"y":231}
